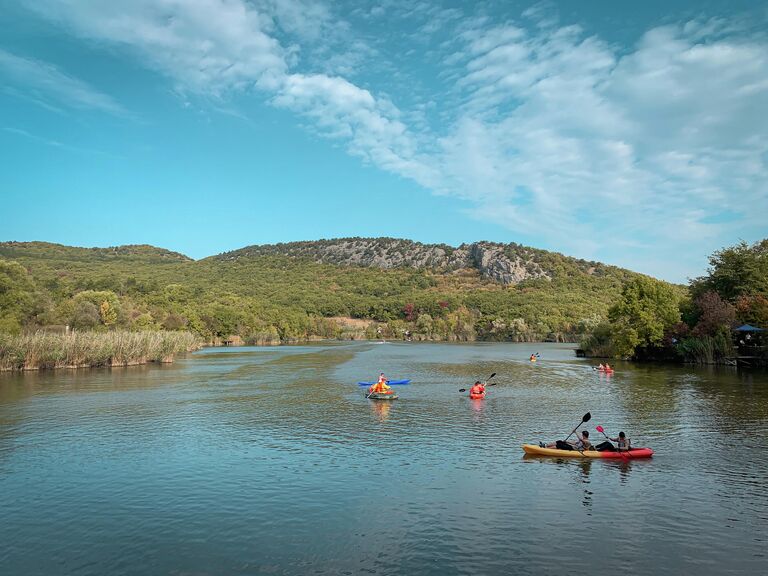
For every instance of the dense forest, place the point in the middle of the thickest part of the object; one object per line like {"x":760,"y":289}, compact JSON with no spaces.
{"x":348,"y":288}
{"x":653,"y":321}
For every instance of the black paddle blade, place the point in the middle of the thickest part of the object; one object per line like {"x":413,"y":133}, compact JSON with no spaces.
{"x":462,"y":389}
{"x":491,"y":376}
{"x":587,"y":417}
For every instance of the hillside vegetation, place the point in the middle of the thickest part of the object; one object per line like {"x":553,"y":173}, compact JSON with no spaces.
{"x":286,"y":292}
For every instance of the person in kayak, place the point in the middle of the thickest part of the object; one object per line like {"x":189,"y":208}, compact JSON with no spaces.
{"x":477,"y":390}
{"x":381,"y":386}
{"x":622,"y":442}
{"x":581,"y":443}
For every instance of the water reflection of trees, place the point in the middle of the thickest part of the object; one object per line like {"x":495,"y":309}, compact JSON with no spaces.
{"x":667,"y":398}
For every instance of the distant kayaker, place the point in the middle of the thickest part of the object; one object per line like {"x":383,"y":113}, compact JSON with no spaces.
{"x":381,"y":386}
{"x":622,"y":442}
{"x":477,"y":391}
{"x":607,"y":367}
{"x":600,"y":366}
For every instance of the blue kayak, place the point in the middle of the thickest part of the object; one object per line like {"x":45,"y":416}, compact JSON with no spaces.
{"x":390,"y":382}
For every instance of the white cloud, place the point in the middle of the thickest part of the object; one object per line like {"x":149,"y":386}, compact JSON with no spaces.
{"x":207,"y":47}
{"x":611,"y":145}
{"x":215,"y":47}
{"x":41,"y":82}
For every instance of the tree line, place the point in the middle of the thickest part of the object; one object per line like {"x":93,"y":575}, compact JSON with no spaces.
{"x":652,"y":320}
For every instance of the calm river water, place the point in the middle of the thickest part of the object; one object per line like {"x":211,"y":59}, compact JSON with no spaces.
{"x":271,"y":461}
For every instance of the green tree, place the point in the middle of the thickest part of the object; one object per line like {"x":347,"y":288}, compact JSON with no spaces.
{"x":753,"y":310}
{"x":736,"y":271}
{"x":85,"y":315}
{"x":646,"y":309}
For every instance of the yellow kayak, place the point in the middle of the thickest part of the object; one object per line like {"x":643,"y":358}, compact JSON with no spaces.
{"x":633,"y":453}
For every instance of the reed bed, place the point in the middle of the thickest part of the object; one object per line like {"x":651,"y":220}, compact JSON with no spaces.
{"x":43,"y":350}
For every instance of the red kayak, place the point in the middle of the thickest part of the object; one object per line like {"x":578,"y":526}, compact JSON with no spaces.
{"x":477,"y":396}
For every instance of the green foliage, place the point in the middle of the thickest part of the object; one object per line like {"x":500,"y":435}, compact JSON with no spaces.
{"x":599,"y":342}
{"x":18,"y":296}
{"x":95,"y":308}
{"x":753,"y":310}
{"x":736,"y":271}
{"x":706,"y":349}
{"x":645,"y":321}
{"x":646,"y":309}
{"x":292,"y":292}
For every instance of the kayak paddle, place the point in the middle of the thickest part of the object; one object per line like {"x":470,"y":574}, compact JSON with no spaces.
{"x":586,"y":418}
{"x":486,"y":382}
{"x":389,"y":382}
{"x":491,"y":384}
{"x":602,"y":431}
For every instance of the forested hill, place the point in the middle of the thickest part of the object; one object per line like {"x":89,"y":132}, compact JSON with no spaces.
{"x":346,"y":288}
{"x":129,"y":253}
{"x":503,"y":263}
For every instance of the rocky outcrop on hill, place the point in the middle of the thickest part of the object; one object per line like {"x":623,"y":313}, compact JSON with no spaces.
{"x":494,"y":262}
{"x":503,"y":263}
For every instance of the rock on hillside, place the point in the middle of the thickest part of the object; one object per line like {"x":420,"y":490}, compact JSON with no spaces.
{"x":503,"y":263}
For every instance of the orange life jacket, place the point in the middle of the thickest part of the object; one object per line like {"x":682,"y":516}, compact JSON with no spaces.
{"x":380,"y":388}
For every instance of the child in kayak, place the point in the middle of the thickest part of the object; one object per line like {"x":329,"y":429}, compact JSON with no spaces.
{"x":477,"y":391}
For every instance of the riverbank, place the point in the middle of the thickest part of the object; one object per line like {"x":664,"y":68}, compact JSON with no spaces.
{"x":43,"y":351}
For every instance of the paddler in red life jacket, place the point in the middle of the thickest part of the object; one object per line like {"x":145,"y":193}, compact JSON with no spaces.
{"x":380,"y":387}
{"x":477,"y":390}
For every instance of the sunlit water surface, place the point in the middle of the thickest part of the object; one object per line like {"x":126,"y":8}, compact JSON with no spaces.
{"x":271,"y":461}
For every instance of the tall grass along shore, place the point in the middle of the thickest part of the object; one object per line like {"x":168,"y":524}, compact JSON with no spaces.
{"x":89,"y":349}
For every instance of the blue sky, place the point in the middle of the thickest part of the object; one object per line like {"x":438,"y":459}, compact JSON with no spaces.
{"x":627,"y":132}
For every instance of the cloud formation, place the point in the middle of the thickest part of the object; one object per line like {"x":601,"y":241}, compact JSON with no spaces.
{"x":548,"y":127}
{"x":42,"y":82}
